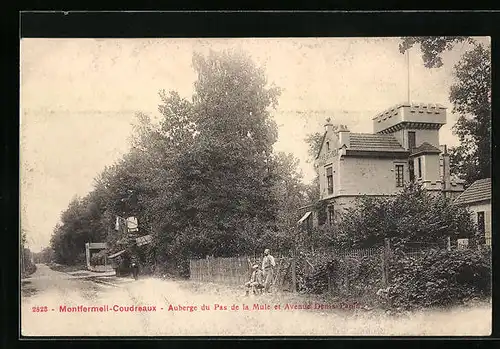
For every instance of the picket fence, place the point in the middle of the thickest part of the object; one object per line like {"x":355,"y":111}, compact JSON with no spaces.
{"x":230,"y":271}
{"x":237,"y":270}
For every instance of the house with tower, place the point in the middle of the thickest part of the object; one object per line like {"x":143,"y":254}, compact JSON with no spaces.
{"x":404,"y":146}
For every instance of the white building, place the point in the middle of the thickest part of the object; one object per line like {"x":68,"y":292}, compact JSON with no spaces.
{"x":478,"y":199}
{"x":403,"y":147}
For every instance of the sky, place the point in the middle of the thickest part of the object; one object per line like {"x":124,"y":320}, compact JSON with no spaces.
{"x":79,"y":98}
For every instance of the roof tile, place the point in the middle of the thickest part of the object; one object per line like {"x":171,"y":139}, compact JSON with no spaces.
{"x":480,"y":190}
{"x":367,"y":141}
{"x":425,"y":148}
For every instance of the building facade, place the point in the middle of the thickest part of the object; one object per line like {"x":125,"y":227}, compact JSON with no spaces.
{"x":404,"y":146}
{"x":477,"y":198}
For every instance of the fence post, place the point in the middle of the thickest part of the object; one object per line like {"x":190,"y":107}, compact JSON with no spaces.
{"x":209,"y":271}
{"x":294,"y":271}
{"x":383,"y":266}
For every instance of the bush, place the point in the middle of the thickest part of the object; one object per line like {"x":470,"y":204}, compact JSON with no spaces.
{"x":439,"y":278}
{"x":349,"y":276}
{"x":30,"y":269}
{"x":413,"y":215}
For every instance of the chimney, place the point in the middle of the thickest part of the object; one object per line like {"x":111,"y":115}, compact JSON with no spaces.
{"x":328,"y":126}
{"x":344,"y":136}
{"x":446,"y":168}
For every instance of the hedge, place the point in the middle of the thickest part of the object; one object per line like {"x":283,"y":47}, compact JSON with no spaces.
{"x":438,"y":278}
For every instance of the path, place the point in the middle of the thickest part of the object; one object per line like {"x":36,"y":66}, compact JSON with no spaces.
{"x":55,"y":290}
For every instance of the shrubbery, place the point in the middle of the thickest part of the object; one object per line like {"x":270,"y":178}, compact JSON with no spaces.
{"x":349,"y":276}
{"x":412,"y":216}
{"x":30,"y":269}
{"x":439,"y":278}
{"x":436,"y":278}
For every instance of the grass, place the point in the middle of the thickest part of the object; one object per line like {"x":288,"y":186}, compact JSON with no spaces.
{"x":228,"y":291}
{"x":343,"y":318}
{"x":368,"y":306}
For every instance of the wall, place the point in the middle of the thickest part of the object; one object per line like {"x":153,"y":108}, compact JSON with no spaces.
{"x":401,"y":137}
{"x":415,"y":113}
{"x":421,"y":136}
{"x":369,"y":176}
{"x":323,"y":183}
{"x":430,"y":114}
{"x":431,"y":170}
{"x":326,"y":158}
{"x":486,"y":207}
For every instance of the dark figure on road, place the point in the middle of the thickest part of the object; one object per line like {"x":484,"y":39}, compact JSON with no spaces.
{"x":135,"y":269}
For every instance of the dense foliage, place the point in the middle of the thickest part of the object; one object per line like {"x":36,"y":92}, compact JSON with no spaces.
{"x":203,"y":180}
{"x":412,"y":216}
{"x":439,"y":278}
{"x":45,"y":256}
{"x":429,"y":278}
{"x":354,"y":276}
{"x":80,"y":224}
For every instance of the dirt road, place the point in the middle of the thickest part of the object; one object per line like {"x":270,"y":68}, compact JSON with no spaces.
{"x":166,"y":308}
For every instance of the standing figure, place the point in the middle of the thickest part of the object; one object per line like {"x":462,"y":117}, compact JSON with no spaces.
{"x":135,"y":269}
{"x":268,"y":265}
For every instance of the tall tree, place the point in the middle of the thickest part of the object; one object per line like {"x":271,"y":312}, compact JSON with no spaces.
{"x":204,"y":179}
{"x":24,"y":238}
{"x":470,"y":95}
{"x":313,"y":141}
{"x":433,"y":46}
{"x":290,"y":191}
{"x":225,"y":177}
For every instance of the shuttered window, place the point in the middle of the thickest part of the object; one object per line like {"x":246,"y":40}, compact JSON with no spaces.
{"x":399,"y":175}
{"x":329,"y":179}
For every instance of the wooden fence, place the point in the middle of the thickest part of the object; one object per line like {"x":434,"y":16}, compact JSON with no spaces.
{"x":237,"y":270}
{"x":230,"y":271}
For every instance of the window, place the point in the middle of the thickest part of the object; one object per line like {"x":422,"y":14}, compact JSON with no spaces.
{"x":328,"y":146}
{"x":399,"y":175}
{"x":480,"y":225}
{"x":331,"y":215}
{"x":411,"y":140}
{"x":419,"y":167}
{"x":411,"y":169}
{"x":329,"y":179}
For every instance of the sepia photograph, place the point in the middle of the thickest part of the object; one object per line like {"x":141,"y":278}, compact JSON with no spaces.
{"x":312,"y":186}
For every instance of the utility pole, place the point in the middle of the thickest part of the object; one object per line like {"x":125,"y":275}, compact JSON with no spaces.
{"x":408,"y":71}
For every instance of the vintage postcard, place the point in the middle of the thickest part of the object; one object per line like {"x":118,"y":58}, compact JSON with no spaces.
{"x":255,"y":187}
